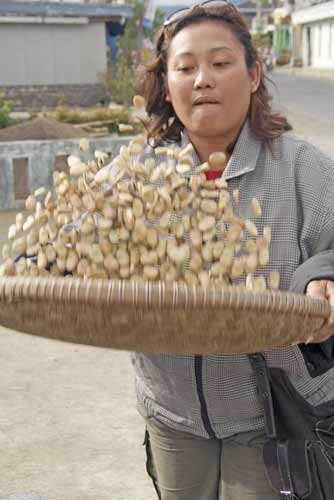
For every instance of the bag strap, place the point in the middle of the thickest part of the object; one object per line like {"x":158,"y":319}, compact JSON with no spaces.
{"x":287,"y":491}
{"x":260,"y":368}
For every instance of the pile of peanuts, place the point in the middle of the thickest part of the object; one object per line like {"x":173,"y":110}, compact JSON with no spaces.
{"x":137,"y":220}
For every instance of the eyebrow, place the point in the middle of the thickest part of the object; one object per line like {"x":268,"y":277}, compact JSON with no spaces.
{"x":212,"y":50}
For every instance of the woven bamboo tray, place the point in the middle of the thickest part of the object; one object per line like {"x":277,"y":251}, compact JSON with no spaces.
{"x":156,"y":317}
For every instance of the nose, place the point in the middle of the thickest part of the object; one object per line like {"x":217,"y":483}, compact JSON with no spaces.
{"x":204,"y":79}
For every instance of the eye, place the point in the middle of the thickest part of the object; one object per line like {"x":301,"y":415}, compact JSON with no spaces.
{"x":220,"y":64}
{"x":185,"y":69}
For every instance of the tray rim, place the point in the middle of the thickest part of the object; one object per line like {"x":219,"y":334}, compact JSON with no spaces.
{"x":158,"y":295}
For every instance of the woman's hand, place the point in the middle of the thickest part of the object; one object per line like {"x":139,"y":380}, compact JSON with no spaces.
{"x":322,"y":289}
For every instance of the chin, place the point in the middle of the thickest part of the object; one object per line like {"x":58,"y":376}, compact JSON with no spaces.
{"x":212,"y":121}
{"x":207,"y":129}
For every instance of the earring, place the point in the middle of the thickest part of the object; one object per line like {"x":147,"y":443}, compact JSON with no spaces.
{"x":170,"y":121}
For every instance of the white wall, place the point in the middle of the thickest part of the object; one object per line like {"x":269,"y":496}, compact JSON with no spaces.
{"x":47,"y":54}
{"x":322,"y":44}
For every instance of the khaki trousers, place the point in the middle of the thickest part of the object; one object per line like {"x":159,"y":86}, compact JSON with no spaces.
{"x":187,"y":467}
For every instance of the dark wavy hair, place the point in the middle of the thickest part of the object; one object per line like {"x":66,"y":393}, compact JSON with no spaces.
{"x":163,"y":124}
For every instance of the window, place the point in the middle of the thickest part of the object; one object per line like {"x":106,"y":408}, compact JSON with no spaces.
{"x":60,"y":163}
{"x":21,"y":178}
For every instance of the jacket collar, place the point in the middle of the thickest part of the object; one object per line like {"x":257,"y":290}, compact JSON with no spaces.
{"x":244,"y":156}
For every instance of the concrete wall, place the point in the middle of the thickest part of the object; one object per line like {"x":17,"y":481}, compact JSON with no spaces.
{"x":39,"y":160}
{"x":51,"y":54}
{"x":28,"y":97}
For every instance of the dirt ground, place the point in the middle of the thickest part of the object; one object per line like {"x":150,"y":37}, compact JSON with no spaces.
{"x":41,"y":129}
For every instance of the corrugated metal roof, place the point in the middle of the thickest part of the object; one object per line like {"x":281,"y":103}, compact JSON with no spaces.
{"x":68,"y":9}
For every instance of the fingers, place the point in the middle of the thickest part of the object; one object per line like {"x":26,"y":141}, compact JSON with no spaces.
{"x":318,"y":289}
{"x":330,"y":291}
{"x":320,"y":335}
{"x":324,"y":290}
{"x":330,"y":298}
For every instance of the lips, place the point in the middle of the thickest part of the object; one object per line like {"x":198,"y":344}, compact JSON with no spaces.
{"x":198,"y":101}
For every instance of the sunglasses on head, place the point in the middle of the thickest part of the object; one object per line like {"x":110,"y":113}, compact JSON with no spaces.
{"x":178,"y":14}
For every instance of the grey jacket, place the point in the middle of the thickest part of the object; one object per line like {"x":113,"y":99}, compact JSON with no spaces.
{"x":216,"y":395}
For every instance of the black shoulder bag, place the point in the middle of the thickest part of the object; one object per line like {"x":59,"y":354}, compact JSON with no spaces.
{"x":299,"y":453}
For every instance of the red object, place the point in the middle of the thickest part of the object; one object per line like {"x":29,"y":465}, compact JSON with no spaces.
{"x":211,"y":175}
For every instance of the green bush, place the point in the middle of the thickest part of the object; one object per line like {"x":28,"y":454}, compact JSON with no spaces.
{"x":5,"y":119}
{"x":121,"y":84}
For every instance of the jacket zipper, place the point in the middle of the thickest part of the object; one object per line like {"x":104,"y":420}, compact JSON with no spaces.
{"x":199,"y":385}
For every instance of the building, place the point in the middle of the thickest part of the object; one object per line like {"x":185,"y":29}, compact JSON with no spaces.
{"x":282,"y":34}
{"x":48,"y":43}
{"x":62,"y":44}
{"x":255,"y":14}
{"x":313,"y":29}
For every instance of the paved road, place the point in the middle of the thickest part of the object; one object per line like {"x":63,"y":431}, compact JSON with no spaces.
{"x":68,"y":425}
{"x":311,"y":96}
{"x":309,"y":104}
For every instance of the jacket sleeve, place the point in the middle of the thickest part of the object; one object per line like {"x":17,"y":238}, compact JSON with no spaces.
{"x":316,"y":203}
{"x":318,"y":267}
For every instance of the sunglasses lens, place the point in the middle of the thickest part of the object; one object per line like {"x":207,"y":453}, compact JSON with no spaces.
{"x":175,"y":16}
{"x":214,"y":3}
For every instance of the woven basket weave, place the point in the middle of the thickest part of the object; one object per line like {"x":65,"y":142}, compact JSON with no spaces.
{"x":156,"y":317}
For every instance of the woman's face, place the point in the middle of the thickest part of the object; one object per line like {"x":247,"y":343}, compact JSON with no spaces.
{"x":208,"y":82}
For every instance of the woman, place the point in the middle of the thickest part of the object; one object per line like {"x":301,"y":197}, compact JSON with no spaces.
{"x":205,"y":427}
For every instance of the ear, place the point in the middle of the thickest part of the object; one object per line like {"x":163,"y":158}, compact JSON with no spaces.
{"x":255,"y":76}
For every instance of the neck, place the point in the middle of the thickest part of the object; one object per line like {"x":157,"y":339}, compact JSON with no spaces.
{"x":204,"y":146}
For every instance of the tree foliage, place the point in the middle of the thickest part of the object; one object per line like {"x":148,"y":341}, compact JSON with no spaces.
{"x":120,"y":80}
{"x":5,"y":110}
